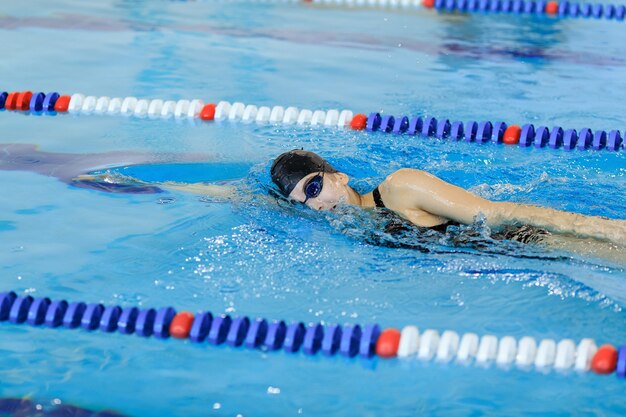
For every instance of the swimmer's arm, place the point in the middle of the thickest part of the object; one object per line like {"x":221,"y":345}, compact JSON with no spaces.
{"x":422,"y":218}
{"x":410,"y":190}
{"x":209,"y":190}
{"x":429,"y":201}
{"x":562,"y":222}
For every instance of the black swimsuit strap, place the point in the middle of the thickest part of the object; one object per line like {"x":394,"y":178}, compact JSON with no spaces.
{"x":377,"y":200}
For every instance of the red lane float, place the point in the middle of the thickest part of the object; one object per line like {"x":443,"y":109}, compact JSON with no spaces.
{"x":388,"y":343}
{"x":552,"y":7}
{"x":23,"y":100}
{"x":511,"y":135}
{"x":605,"y":360}
{"x":208,"y":112}
{"x":181,"y":325}
{"x":11,"y":101}
{"x":62,"y":104}
{"x":358,"y":122}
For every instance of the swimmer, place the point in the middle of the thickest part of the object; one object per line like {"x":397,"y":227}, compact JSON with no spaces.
{"x":429,"y":202}
{"x":416,"y":197}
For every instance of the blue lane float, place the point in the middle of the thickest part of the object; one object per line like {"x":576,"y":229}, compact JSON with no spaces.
{"x":530,"y":7}
{"x":348,"y":341}
{"x":494,"y":132}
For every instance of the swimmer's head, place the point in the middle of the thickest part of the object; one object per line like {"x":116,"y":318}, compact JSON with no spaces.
{"x":306,"y":177}
{"x":289,"y":168}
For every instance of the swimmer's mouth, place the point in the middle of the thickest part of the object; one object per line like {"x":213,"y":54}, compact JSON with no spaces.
{"x":334,"y":207}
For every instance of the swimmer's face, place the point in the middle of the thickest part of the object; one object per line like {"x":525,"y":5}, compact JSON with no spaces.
{"x":334,"y":190}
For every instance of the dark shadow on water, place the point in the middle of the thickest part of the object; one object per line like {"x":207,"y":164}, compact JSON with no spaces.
{"x":22,"y":407}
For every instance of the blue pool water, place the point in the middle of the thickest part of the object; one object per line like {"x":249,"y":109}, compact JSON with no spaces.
{"x":183,"y":173}
{"x":256,"y":257}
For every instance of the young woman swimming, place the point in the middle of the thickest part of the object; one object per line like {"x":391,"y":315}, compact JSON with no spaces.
{"x":418,"y":199}
{"x":429,"y":202}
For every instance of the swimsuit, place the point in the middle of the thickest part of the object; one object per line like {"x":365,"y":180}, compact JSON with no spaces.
{"x":377,"y":199}
{"x":441,"y":228}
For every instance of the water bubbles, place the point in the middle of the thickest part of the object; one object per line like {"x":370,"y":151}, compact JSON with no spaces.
{"x":166,"y":200}
{"x":273,"y":390}
{"x":458,"y":299}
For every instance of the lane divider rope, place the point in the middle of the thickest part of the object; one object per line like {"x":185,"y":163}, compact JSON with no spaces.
{"x":553,"y":8}
{"x":349,"y":340}
{"x":498,"y":132}
{"x":532,"y":7}
{"x":405,"y":4}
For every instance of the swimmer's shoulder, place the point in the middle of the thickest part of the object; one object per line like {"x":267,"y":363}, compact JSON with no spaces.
{"x":402,"y":180}
{"x":406,"y":176}
{"x":402,"y":192}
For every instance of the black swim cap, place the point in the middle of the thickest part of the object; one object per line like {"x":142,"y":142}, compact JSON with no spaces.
{"x":289,"y":168}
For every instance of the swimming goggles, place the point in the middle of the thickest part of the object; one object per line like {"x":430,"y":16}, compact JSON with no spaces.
{"x":313,"y":187}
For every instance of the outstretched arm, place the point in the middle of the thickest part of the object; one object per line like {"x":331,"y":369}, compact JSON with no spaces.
{"x":111,"y":183}
{"x":417,"y":194}
{"x":562,"y":222}
{"x":209,"y":190}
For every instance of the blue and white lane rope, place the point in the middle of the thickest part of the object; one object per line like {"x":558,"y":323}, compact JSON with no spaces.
{"x":539,"y":7}
{"x":349,"y":340}
{"x":392,"y":4}
{"x":529,"y":7}
{"x":528,"y":135}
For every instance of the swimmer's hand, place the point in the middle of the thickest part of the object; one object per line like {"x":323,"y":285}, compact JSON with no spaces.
{"x":562,"y":222}
{"x":100,"y":178}
{"x":114,"y":184}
